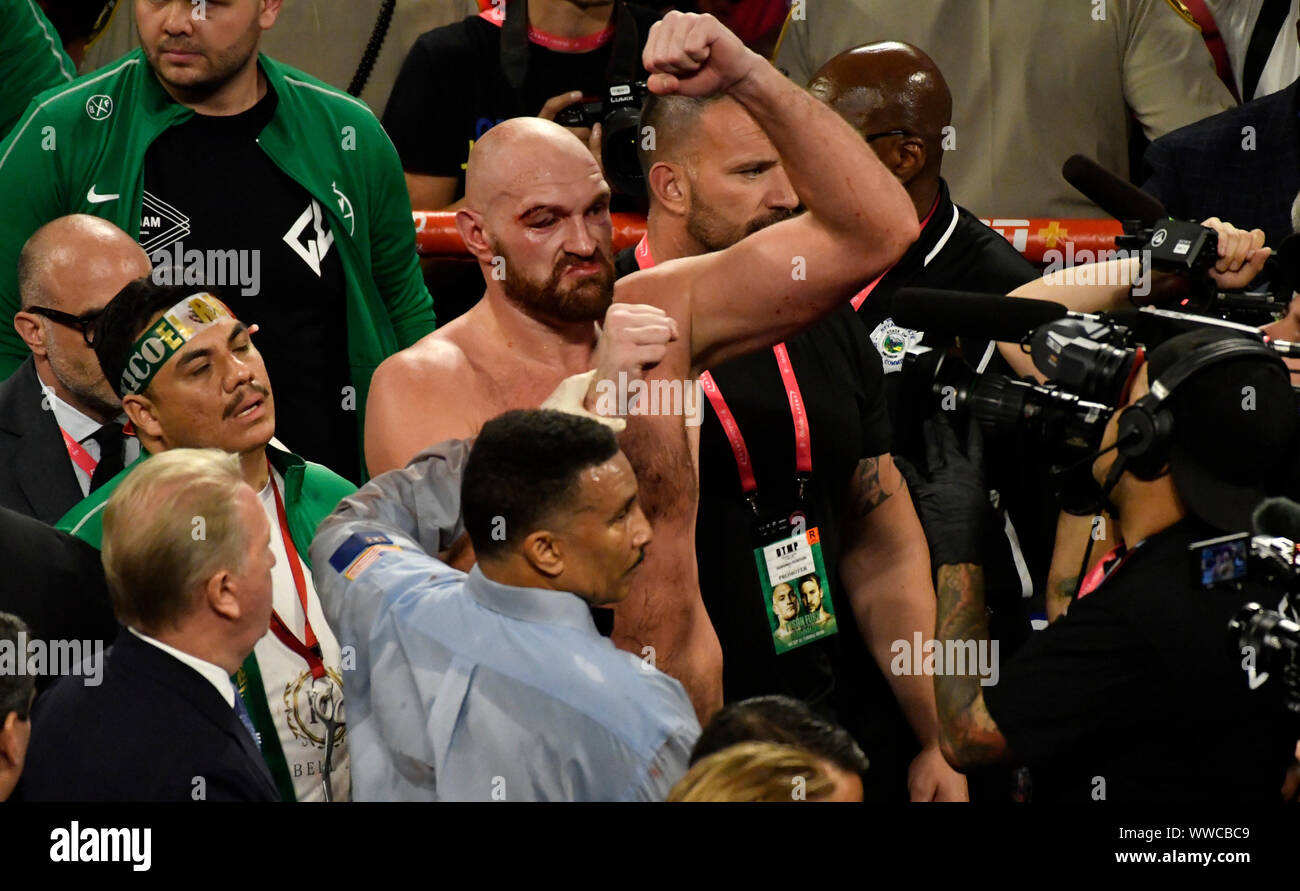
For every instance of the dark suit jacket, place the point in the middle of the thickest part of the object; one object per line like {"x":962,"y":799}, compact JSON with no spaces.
{"x":36,"y":475}
{"x":145,"y":734}
{"x":1202,"y":170}
{"x":54,"y":583}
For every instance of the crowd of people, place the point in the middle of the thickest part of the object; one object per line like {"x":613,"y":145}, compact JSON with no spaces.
{"x":292,"y":514}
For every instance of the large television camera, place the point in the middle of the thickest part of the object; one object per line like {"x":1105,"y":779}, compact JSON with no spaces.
{"x":1087,"y":361}
{"x":1187,"y":248}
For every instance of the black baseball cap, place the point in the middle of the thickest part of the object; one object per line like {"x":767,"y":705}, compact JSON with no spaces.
{"x":1235,"y":426}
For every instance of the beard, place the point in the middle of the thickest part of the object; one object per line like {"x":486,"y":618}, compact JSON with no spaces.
{"x":584,"y":299}
{"x":222,"y":65}
{"x":713,"y":233}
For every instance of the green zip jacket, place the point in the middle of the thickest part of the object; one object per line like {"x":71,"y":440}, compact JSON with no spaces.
{"x":31,"y":59}
{"x":311,"y":492}
{"x":92,"y":134}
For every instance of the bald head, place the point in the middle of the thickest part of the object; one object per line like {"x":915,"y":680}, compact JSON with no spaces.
{"x":887,"y":86}
{"x":521,"y":154}
{"x":77,"y":264}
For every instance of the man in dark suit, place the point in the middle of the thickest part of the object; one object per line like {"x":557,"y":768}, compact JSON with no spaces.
{"x":16,"y":692}
{"x":1242,"y":164}
{"x":188,"y":559}
{"x":54,"y":583}
{"x":61,"y":425}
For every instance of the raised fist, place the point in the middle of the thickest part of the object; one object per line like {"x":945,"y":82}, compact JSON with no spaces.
{"x":634,"y":339}
{"x":695,"y":55}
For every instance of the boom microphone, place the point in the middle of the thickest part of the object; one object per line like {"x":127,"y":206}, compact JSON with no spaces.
{"x":1118,"y":197}
{"x":1283,"y":267}
{"x":1277,"y":517}
{"x":971,"y":314}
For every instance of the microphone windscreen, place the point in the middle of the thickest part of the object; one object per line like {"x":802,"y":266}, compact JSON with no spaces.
{"x":1278,"y":517}
{"x":1118,"y":197}
{"x":970,"y":314}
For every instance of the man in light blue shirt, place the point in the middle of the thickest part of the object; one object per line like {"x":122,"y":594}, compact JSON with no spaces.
{"x":496,"y":685}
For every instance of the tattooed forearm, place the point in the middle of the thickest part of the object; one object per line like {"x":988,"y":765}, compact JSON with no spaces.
{"x":871,"y":487}
{"x":1059,"y":597}
{"x":968,"y":733}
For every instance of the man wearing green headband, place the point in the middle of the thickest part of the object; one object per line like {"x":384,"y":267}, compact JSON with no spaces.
{"x":189,"y":377}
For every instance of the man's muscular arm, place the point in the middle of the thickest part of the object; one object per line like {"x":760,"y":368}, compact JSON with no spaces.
{"x":777,"y":281}
{"x":968,"y":735}
{"x":886,"y":573}
{"x":404,"y":413}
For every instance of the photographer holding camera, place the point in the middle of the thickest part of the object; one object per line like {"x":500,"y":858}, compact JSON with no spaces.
{"x":1132,"y":695}
{"x":525,"y":57}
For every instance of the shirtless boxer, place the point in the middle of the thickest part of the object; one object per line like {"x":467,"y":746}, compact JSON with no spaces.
{"x":537,"y":219}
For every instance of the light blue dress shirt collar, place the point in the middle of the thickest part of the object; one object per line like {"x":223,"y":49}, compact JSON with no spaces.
{"x":531,"y":604}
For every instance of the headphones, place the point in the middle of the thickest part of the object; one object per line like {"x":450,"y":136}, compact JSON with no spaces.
{"x":1145,"y":427}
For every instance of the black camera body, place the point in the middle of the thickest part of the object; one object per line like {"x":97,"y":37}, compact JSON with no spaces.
{"x":607,"y":110}
{"x":1087,"y":362}
{"x":1174,"y":245}
{"x":619,"y":114}
{"x":1274,"y":641}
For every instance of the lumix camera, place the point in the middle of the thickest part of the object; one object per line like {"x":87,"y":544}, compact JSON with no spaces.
{"x":619,"y":114}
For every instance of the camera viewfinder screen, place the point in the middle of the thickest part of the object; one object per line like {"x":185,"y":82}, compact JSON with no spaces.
{"x":1224,"y":562}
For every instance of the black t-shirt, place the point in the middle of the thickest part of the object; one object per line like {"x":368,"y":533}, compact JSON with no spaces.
{"x":1137,"y":686}
{"x":840,"y":382}
{"x":956,"y":251}
{"x":451,"y":90}
{"x":218,"y":207}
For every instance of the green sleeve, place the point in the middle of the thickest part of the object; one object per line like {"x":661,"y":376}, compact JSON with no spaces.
{"x":86,"y":520}
{"x":394,"y":263}
{"x":31,"y":180}
{"x":32,"y":59}
{"x":322,"y":490}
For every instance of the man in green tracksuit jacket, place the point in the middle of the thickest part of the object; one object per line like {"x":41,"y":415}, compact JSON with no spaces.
{"x":31,"y":59}
{"x":189,"y":377}
{"x":81,"y":148}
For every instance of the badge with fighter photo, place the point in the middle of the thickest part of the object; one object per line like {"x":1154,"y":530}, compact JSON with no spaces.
{"x":793,"y":583}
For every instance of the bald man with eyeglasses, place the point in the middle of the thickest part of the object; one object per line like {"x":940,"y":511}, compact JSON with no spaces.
{"x":62,"y":431}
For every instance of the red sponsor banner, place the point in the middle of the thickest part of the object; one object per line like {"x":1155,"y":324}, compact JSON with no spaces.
{"x":436,"y":235}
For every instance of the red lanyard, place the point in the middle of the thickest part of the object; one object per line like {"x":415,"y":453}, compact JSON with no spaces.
{"x":802,"y":432}
{"x":497,"y":16}
{"x":309,"y":651}
{"x":861,"y":297}
{"x":78,"y":454}
{"x":1105,"y":567}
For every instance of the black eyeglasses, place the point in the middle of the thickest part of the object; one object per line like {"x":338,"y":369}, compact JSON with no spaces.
{"x":875,"y":136}
{"x":85,"y":324}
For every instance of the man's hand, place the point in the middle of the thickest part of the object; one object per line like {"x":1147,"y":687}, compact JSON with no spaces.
{"x":591,"y":138}
{"x":931,"y":778}
{"x":695,"y":55}
{"x":953,"y":501}
{"x":634,"y":340}
{"x":1241,"y":254}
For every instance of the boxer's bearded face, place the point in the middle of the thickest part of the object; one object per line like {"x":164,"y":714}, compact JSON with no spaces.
{"x":577,"y":288}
